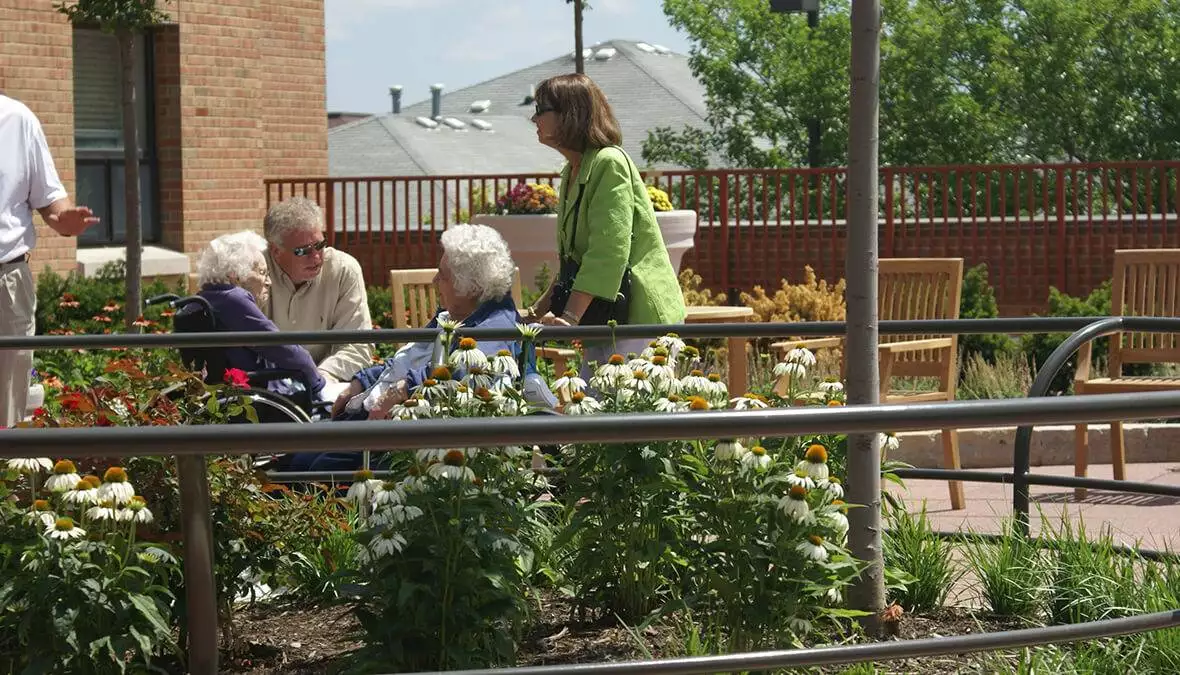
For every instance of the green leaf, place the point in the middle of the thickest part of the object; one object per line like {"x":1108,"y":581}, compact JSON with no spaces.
{"x":148,"y":610}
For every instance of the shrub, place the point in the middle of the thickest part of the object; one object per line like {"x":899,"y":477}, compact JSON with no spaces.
{"x":1038,"y":347}
{"x":978,"y":301}
{"x":812,"y":300}
{"x":694,"y":295}
{"x":100,"y":296}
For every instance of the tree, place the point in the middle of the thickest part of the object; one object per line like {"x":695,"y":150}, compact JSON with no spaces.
{"x":864,"y":449}
{"x":962,"y":81}
{"x":126,"y":20}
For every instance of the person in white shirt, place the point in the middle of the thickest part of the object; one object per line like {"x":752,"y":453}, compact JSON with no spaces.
{"x":28,"y":183}
{"x":316,"y":287}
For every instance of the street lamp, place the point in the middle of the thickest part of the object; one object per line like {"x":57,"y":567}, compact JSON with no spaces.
{"x":812,"y":9}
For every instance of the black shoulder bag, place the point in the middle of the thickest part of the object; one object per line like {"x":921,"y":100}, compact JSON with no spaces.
{"x":600,"y":311}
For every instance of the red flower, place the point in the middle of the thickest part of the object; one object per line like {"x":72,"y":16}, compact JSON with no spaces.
{"x":38,"y":412}
{"x":236,"y":377}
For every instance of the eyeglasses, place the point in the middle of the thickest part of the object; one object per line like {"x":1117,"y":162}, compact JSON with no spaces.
{"x":542,"y":109}
{"x":301,"y":251}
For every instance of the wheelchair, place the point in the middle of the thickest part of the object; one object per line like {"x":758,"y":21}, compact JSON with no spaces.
{"x":194,"y":314}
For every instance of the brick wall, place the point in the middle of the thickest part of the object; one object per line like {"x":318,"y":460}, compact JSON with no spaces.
{"x":294,"y":89}
{"x":36,"y":68}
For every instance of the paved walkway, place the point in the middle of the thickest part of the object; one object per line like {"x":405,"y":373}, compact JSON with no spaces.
{"x":1148,"y":521}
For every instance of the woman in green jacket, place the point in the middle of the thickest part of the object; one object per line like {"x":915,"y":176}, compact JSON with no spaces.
{"x":606,"y":225}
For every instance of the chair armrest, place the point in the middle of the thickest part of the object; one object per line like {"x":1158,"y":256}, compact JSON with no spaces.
{"x":1085,"y":352}
{"x":916,"y":345}
{"x":813,"y":344}
{"x":556,"y":351}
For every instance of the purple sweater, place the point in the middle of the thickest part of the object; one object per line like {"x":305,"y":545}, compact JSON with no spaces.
{"x":236,"y":311}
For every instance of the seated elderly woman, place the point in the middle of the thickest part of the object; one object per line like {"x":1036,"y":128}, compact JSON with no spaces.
{"x":234,"y":279}
{"x":474,"y":283}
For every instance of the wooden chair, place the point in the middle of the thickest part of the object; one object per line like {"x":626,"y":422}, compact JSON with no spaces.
{"x":915,"y":288}
{"x":1145,"y":283}
{"x":415,"y":301}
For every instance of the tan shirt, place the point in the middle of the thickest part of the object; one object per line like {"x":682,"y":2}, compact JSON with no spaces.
{"x":334,"y":300}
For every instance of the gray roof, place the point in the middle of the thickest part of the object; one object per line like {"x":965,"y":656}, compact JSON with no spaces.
{"x":647,"y":88}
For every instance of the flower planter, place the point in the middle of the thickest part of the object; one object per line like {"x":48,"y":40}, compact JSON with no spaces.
{"x":533,"y":239}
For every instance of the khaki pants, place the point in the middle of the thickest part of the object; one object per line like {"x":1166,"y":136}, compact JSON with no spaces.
{"x":18,"y":303}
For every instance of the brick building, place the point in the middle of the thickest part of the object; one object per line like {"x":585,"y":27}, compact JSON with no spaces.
{"x":231,"y":92}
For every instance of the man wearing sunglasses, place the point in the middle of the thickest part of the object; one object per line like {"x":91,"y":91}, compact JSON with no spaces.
{"x":315,"y":287}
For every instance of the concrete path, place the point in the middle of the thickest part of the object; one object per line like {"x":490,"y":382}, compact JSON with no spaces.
{"x":1144,"y":520}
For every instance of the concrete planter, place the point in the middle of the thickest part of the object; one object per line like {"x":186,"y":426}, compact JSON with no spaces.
{"x":533,"y":238}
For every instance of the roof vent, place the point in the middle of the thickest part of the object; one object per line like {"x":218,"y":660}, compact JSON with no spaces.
{"x":426,"y":122}
{"x":482,"y":125}
{"x":480,"y":106}
{"x":644,"y":47}
{"x":454,"y":123}
{"x":605,"y":53}
{"x":661,"y":49}
{"x":586,"y":53}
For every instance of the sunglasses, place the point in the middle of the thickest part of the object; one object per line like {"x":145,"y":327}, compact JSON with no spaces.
{"x":542,"y":109}
{"x":301,"y":251}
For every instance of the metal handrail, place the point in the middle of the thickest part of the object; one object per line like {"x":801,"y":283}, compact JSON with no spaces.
{"x":1007,"y":325}
{"x":878,"y":651}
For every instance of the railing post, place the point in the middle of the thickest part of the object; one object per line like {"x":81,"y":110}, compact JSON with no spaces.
{"x":724,"y":215}
{"x":1022,"y":451}
{"x":200,"y":591}
{"x":1061,"y":257}
{"x":330,"y":211}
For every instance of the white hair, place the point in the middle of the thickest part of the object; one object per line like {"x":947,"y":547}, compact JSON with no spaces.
{"x":297,"y":214}
{"x":229,"y":258}
{"x":479,"y":260}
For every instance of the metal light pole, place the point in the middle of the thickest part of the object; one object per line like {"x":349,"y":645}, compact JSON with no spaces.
{"x":811,"y":7}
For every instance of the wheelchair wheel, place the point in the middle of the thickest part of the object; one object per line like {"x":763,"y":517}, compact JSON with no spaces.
{"x":270,"y":408}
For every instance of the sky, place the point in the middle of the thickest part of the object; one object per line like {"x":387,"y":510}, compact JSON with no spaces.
{"x":375,"y":44}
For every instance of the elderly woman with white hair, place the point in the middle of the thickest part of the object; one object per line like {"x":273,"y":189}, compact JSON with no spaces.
{"x":234,"y":278}
{"x":474,"y":283}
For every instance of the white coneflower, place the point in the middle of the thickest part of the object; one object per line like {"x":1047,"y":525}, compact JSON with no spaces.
{"x":613,"y":375}
{"x":640,"y":384}
{"x":831,"y":386}
{"x":427,"y":455}
{"x":695,"y":384}
{"x":729,"y":450}
{"x":40,"y":513}
{"x":749,"y":402}
{"x":663,"y":375}
{"x":504,"y":363}
{"x":530,"y":331}
{"x":65,"y":477}
{"x":717,"y":389}
{"x":794,"y":505}
{"x":672,"y":343}
{"x":890,"y":442}
{"x":387,"y":543}
{"x":833,"y":486}
{"x":454,"y":466}
{"x":396,"y":514}
{"x":834,"y":596}
{"x":568,"y":384}
{"x":363,"y":487}
{"x":801,"y":355}
{"x":389,"y":492}
{"x":410,"y":409}
{"x":463,"y":396}
{"x":115,"y":487}
{"x":468,"y":356}
{"x":815,"y":462}
{"x":639,"y":363}
{"x":29,"y":464}
{"x":477,"y":378}
{"x":650,"y":350}
{"x":790,"y":369}
{"x":756,"y":459}
{"x":801,"y":479}
{"x":836,"y":518}
{"x":84,"y":492}
{"x":670,"y":403}
{"x":813,"y":548}
{"x":105,"y":510}
{"x":699,"y":404}
{"x":138,"y":510}
{"x":63,"y":529}
{"x":581,"y":404}
{"x":432,"y":390}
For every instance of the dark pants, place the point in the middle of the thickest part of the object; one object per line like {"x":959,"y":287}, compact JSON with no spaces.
{"x":327,"y":461}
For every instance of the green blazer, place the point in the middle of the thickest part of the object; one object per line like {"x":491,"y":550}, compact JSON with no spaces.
{"x":617,"y":229}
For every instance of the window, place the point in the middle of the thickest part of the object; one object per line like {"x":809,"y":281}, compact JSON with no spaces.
{"x":98,"y":136}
